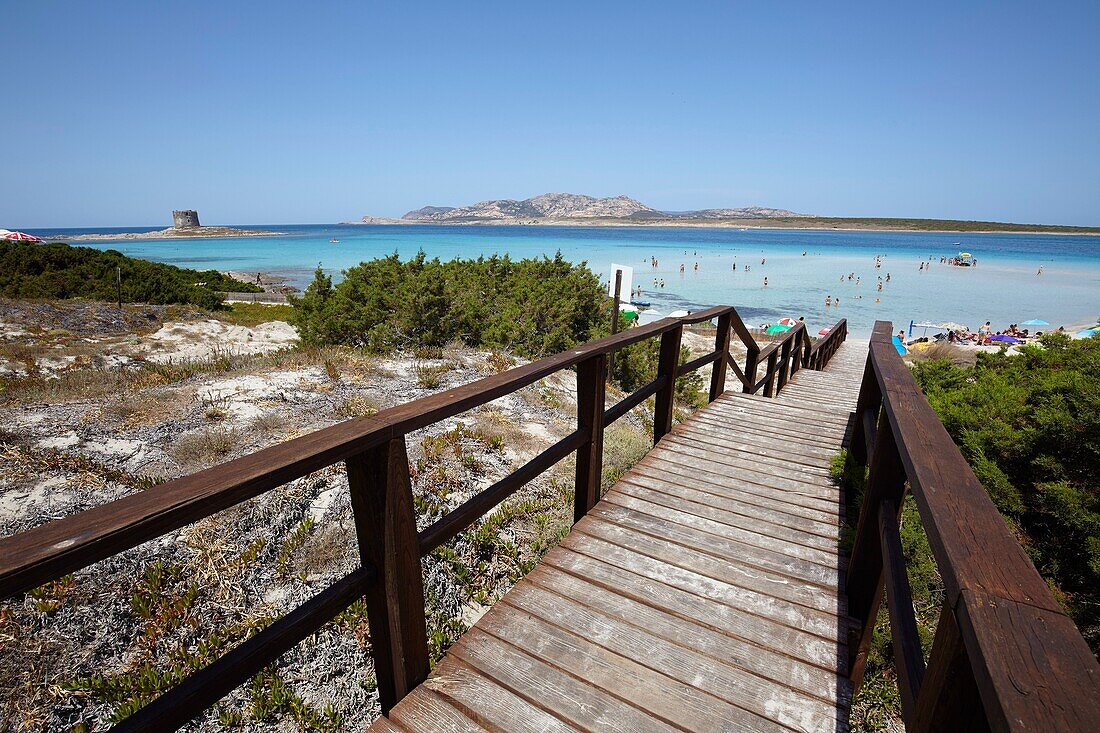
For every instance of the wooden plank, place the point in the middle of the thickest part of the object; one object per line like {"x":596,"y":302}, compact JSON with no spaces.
{"x":766,"y":609}
{"x":769,"y":522}
{"x":815,"y":496}
{"x":692,"y":532}
{"x":647,"y":586}
{"x":737,"y":455}
{"x":744,"y":534}
{"x":802,"y":431}
{"x":815,"y":492}
{"x":780,"y":452}
{"x":574,"y":701}
{"x":757,"y":442}
{"x":662,"y":696}
{"x":733,"y":490}
{"x":774,"y":429}
{"x":383,"y":725}
{"x":769,"y":664}
{"x":488,"y":704}
{"x":385,"y":525}
{"x":729,"y":405}
{"x":774,"y":706}
{"x":816,"y":602}
{"x":425,"y":710}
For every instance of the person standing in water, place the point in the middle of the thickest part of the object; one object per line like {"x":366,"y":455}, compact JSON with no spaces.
{"x":765,"y":282}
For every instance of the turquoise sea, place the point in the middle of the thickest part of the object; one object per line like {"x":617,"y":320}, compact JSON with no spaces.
{"x":802,"y":267}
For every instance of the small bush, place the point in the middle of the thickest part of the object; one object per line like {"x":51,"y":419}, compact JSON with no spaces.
{"x":430,"y":376}
{"x":205,"y":446}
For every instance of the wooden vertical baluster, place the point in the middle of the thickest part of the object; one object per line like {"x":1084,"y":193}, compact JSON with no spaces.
{"x":769,"y":384}
{"x":867,"y":408}
{"x":784,"y":365}
{"x":885,"y":481}
{"x":385,"y":524}
{"x":949,"y":699}
{"x":667,"y":362}
{"x":591,"y":391}
{"x":752,"y":358}
{"x":722,"y":346}
{"x":908,"y":656}
{"x":615,"y":319}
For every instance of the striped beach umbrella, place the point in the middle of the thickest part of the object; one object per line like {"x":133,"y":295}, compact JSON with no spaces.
{"x":19,"y":236}
{"x":788,"y":322}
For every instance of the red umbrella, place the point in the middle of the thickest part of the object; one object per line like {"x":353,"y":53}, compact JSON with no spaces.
{"x":788,"y":322}
{"x":19,"y":236}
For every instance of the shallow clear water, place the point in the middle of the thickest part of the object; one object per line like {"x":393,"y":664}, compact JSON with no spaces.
{"x":1004,"y":288}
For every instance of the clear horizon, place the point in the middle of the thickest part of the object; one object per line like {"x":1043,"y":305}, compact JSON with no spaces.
{"x":265,"y":113}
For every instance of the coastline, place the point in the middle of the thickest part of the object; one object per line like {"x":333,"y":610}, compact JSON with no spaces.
{"x":206,"y":232}
{"x":755,"y":224}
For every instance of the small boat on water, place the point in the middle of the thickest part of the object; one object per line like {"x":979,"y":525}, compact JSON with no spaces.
{"x":334,"y":240}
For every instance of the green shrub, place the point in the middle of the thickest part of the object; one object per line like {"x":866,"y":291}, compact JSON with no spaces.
{"x":533,"y":307}
{"x":57,"y":270}
{"x":1029,"y":425}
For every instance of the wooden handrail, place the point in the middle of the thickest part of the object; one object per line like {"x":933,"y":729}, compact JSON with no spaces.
{"x":1005,"y":651}
{"x":373,"y":449}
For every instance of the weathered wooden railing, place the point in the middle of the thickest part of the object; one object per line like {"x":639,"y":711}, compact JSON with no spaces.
{"x":390,"y":548}
{"x":1005,"y":656}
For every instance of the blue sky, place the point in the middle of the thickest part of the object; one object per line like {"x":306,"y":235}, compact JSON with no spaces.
{"x":320,"y":112}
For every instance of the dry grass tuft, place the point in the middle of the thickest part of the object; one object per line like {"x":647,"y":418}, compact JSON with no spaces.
{"x":205,"y":446}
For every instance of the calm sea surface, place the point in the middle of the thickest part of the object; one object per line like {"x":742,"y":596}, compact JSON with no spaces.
{"x":802,"y":267}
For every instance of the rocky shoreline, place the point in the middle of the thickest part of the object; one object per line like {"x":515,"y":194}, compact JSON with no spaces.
{"x":174,"y":233}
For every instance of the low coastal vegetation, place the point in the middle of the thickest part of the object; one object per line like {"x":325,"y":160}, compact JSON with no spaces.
{"x":530,"y":307}
{"x":1029,"y":426}
{"x":56,"y":270}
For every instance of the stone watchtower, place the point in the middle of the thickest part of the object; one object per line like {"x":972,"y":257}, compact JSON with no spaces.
{"x":185,"y":219}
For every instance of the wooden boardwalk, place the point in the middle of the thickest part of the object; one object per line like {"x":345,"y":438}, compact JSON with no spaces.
{"x":703,"y":592}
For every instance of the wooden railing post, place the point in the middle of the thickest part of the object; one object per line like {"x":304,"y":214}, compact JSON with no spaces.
{"x":722,"y":346}
{"x":949,"y":699}
{"x":667,"y":362}
{"x":885,"y":482}
{"x":385,"y":524}
{"x":591,"y":392}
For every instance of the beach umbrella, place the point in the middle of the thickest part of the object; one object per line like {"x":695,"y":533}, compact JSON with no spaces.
{"x":952,"y":326}
{"x":964,"y":254}
{"x":1088,"y":333}
{"x":677,"y":314}
{"x":1005,"y":339}
{"x":1035,"y":322}
{"x":777,"y":328}
{"x":788,"y":322}
{"x":20,"y":237}
{"x":899,"y":345}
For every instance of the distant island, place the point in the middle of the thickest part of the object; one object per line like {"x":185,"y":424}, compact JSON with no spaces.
{"x":567,"y":209}
{"x":185,"y":225}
